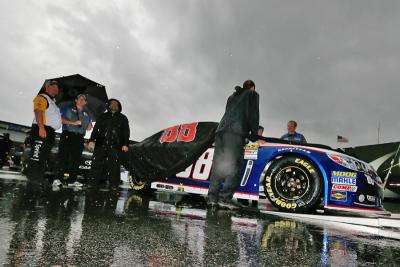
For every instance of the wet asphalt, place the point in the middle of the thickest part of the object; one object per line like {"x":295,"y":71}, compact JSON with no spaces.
{"x":101,"y":227}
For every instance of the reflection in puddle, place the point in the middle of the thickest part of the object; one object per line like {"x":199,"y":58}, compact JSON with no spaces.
{"x":102,"y":228}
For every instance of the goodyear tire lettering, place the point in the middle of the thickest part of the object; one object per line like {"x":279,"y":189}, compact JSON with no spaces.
{"x":278,"y":201}
{"x":136,"y":185}
{"x":303,"y":201}
{"x":305,"y":164}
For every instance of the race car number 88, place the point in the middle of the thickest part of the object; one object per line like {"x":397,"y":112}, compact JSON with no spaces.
{"x":179,"y":133}
{"x":201,"y":169}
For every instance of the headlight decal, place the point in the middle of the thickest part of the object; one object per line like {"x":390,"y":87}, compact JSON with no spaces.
{"x":350,"y":163}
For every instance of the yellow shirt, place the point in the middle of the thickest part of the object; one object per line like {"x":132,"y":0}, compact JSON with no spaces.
{"x":51,"y":113}
{"x":40,"y":103}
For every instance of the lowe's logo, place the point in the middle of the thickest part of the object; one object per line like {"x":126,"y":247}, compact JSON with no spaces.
{"x":344,"y":180}
{"x":344,"y":174}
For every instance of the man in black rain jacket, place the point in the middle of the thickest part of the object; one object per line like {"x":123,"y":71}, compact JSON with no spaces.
{"x":240,"y":121}
{"x":110,"y":139}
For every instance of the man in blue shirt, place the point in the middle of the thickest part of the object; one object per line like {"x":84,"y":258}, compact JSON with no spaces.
{"x":76,"y":121}
{"x":292,"y":135}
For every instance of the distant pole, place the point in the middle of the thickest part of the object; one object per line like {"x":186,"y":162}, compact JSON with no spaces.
{"x":390,"y":170}
{"x":379,"y":131}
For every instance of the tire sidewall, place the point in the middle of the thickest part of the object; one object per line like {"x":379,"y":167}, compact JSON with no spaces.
{"x":137,"y":185}
{"x":309,"y":199}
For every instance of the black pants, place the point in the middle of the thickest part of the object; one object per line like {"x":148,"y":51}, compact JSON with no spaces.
{"x":227,"y":166}
{"x":39,"y":154}
{"x":69,"y":155}
{"x":3,"y":157}
{"x":106,"y":164}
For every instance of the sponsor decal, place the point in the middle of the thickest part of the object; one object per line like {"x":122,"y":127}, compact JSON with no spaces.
{"x":83,"y":167}
{"x":343,"y":180}
{"x":371,"y":198}
{"x":344,"y":174}
{"x":87,"y":165}
{"x":278,"y":200}
{"x":181,"y":188}
{"x":338,"y":196}
{"x":252,"y":146}
{"x":342,"y":187}
{"x":36,"y":150}
{"x":251,"y":151}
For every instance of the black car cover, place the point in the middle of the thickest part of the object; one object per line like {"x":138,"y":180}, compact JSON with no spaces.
{"x":170,"y":151}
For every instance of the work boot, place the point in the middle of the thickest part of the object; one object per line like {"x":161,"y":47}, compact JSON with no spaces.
{"x":57,"y":182}
{"x":75,"y":184}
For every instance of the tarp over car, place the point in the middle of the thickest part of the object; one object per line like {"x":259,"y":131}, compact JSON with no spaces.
{"x":171,"y":150}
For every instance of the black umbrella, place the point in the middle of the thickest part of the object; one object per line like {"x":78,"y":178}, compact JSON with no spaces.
{"x":73,"y":85}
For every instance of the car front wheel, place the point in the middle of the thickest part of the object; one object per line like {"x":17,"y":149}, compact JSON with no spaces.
{"x":293,"y":184}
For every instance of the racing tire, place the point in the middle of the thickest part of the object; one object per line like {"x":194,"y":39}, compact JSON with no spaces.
{"x":293,"y":184}
{"x":138,"y":185}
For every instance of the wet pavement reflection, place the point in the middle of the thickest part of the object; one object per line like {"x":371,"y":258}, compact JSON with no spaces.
{"x":97,"y":227}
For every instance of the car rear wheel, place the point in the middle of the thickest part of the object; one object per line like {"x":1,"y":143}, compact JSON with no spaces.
{"x":293,"y":184}
{"x":137,"y":184}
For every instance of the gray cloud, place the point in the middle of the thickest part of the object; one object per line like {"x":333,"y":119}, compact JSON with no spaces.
{"x":330,"y":65}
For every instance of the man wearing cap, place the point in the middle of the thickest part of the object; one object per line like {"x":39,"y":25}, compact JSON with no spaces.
{"x":47,"y":119}
{"x":76,"y":121}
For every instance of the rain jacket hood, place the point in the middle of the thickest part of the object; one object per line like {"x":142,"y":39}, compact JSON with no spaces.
{"x":241,"y":113}
{"x":111,"y":129}
{"x":238,"y":90}
{"x":119,"y":105}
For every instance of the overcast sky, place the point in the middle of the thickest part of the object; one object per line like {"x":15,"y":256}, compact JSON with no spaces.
{"x":333,"y":66}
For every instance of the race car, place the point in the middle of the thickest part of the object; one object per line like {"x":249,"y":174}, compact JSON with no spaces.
{"x":294,"y":177}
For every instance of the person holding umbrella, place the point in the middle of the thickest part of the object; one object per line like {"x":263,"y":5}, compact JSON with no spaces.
{"x":47,"y":120}
{"x":110,"y":140}
{"x":76,"y":121}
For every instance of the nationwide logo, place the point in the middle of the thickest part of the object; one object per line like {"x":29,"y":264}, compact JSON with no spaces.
{"x":339,"y":196}
{"x":342,"y":187}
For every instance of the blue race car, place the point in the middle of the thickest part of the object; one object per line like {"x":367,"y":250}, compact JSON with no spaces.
{"x":294,"y":177}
